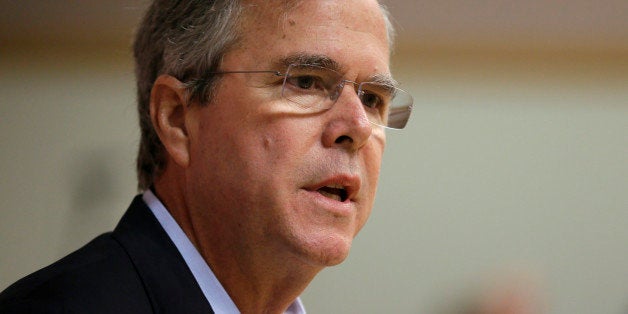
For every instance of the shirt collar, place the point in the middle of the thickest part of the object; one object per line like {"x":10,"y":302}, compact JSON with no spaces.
{"x":216,"y":295}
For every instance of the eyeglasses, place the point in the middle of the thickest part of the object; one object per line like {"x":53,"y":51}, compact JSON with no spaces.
{"x":314,"y":89}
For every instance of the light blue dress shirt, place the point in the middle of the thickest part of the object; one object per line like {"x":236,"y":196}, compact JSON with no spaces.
{"x":216,"y":295}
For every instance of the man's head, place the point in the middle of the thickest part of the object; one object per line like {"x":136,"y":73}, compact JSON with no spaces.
{"x":258,"y":177}
{"x":187,"y":39}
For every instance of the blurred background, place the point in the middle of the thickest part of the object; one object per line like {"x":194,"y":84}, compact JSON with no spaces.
{"x":511,"y":177}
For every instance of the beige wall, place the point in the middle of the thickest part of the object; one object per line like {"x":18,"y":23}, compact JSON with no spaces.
{"x":514,"y":163}
{"x":67,"y":137}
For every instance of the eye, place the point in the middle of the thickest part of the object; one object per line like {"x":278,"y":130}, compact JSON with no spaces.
{"x":306,"y":82}
{"x":371,"y":100}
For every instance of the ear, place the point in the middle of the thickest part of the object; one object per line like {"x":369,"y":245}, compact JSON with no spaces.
{"x":168,"y":105}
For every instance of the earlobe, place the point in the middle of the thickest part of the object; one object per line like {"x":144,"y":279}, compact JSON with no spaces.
{"x":168,"y":106}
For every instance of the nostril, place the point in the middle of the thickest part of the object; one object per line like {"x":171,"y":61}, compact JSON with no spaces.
{"x":343,"y":138}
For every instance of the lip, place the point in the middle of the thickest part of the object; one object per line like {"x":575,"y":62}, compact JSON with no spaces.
{"x":350,"y":183}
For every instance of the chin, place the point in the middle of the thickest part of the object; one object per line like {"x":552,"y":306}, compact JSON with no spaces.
{"x":329,"y":251}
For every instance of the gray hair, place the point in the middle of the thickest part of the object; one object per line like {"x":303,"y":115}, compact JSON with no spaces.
{"x":184,"y":39}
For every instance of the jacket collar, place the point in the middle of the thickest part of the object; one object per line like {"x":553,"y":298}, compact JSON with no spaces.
{"x":168,"y":281}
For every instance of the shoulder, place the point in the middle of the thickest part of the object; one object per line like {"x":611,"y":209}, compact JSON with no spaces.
{"x":98,"y":278}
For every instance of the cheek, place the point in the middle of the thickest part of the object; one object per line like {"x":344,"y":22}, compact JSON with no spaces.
{"x":373,"y":153}
{"x":372,"y":164}
{"x":288,"y":140}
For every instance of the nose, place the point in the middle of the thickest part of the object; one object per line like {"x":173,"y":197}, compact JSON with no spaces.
{"x":347,"y":125}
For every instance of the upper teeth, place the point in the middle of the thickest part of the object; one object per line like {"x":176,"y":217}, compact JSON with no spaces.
{"x":335,"y":186}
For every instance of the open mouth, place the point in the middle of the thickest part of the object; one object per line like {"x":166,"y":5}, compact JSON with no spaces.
{"x":335,"y":192}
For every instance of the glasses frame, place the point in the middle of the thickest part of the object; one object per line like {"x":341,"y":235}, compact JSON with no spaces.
{"x":339,"y":87}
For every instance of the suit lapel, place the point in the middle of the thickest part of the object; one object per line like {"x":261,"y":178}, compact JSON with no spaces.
{"x":168,"y":281}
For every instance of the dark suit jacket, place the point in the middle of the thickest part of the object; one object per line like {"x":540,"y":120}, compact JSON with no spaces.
{"x":134,"y":269}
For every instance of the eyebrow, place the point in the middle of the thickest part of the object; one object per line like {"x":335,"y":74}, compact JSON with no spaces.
{"x":327,"y":62}
{"x":311,"y":59}
{"x":384,"y":79}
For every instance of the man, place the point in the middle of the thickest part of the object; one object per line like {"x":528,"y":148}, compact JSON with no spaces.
{"x":262,"y":136}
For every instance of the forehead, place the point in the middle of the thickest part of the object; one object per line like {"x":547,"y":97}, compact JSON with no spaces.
{"x":351,"y":33}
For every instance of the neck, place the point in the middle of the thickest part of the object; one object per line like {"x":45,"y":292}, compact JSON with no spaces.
{"x":259,"y":276}
{"x":258,"y":288}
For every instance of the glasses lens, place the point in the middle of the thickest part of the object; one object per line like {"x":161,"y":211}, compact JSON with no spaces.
{"x":311,"y":87}
{"x":386,"y":105}
{"x":314,"y":89}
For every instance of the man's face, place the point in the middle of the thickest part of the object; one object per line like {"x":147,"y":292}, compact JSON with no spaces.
{"x":267,"y":178}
